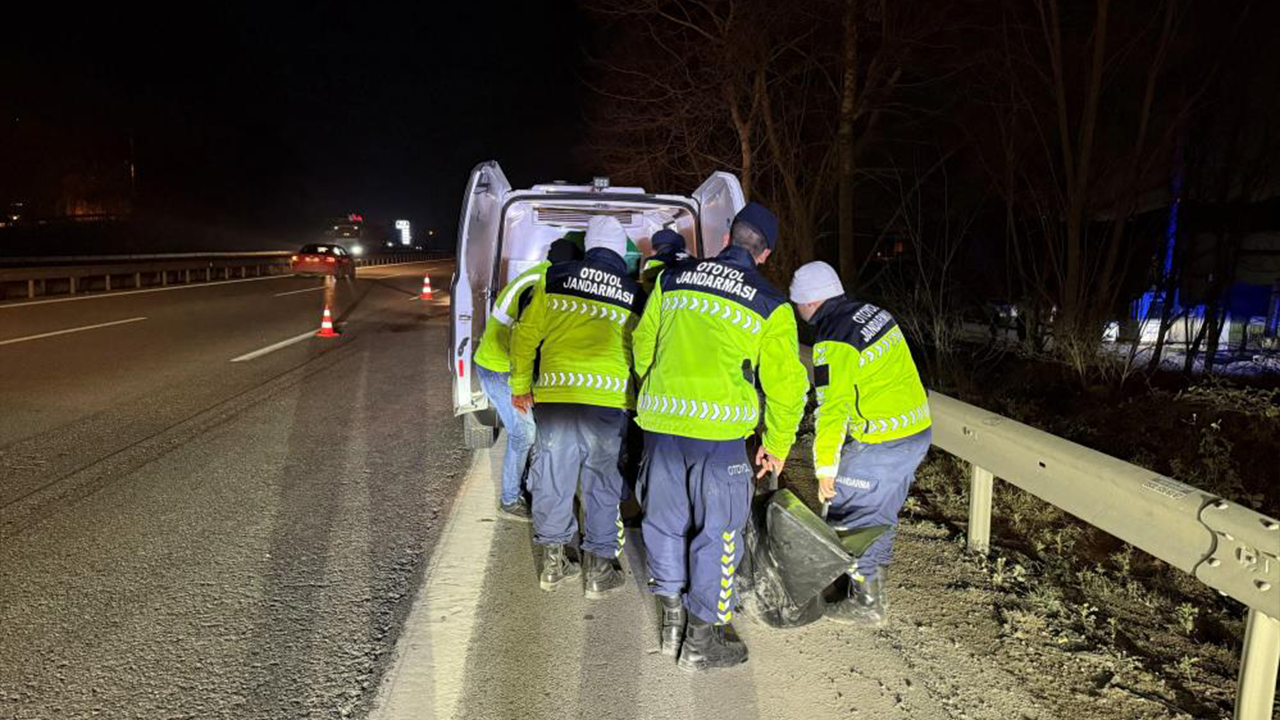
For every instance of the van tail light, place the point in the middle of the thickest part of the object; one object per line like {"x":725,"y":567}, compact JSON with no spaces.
{"x":293,"y":258}
{"x":460,"y":371}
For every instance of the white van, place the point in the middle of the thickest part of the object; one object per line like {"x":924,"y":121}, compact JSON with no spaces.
{"x":502,"y":232}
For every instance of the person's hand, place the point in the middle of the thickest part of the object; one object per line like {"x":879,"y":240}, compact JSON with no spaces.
{"x":826,"y":488}
{"x":523,"y":403}
{"x":768,"y":463}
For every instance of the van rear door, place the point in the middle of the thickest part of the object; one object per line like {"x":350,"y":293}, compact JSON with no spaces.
{"x":473,"y":282}
{"x":719,"y":200}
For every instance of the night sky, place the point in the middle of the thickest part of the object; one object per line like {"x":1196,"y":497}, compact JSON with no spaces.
{"x":278,"y":118}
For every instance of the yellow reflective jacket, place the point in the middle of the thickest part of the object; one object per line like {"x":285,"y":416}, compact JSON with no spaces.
{"x":709,"y":330}
{"x":578,"y":328}
{"x":866,"y":381}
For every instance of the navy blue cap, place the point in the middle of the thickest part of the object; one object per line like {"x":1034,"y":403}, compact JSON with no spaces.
{"x":762,"y":219}
{"x":667,"y":238}
{"x":563,"y":250}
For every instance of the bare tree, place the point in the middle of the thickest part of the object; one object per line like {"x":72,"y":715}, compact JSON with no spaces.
{"x":1072,"y":173}
{"x":921,"y":284}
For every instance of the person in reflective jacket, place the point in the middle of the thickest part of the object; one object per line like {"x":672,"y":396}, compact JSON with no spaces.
{"x":668,"y":249}
{"x":493,"y":365}
{"x":871,"y":429}
{"x":578,"y":327}
{"x":710,"y":330}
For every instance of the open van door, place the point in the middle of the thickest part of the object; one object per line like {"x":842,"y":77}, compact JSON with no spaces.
{"x":719,"y":200}
{"x":473,"y":282}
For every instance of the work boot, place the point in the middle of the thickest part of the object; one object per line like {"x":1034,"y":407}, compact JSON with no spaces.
{"x":673,"y":620}
{"x":865,"y":605}
{"x":707,"y":646}
{"x":517,"y":510}
{"x":603,"y":576}
{"x":556,"y":567}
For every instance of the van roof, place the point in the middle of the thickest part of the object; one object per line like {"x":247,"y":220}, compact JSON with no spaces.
{"x":561,"y":187}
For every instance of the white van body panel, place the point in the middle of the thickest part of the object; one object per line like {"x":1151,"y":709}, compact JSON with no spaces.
{"x":473,"y":289}
{"x":719,"y":200}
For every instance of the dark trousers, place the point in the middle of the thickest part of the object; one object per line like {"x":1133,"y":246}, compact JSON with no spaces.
{"x":872,"y":486}
{"x":696,"y":496}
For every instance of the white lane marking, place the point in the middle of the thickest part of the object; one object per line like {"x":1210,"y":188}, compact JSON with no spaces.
{"x":295,"y":292}
{"x":111,"y":294}
{"x":426,"y":677}
{"x":274,"y":347}
{"x":71,"y":330}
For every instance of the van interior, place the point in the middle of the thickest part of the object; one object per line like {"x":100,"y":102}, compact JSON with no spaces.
{"x":530,"y":225}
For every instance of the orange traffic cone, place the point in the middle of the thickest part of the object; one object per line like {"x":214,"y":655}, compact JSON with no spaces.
{"x":326,"y":325}
{"x":426,"y":288}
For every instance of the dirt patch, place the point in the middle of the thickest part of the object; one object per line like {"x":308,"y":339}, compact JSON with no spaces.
{"x":1099,"y":629}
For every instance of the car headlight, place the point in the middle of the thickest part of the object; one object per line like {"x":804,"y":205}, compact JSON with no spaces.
{"x":357,"y":250}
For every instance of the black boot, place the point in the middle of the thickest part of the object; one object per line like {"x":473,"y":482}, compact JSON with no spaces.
{"x":673,"y":620}
{"x":707,"y":646}
{"x":603,"y":576}
{"x":556,"y":567}
{"x":866,"y":604}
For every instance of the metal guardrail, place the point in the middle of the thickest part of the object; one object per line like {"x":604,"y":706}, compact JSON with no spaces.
{"x":1227,"y":546}
{"x":33,"y":260}
{"x":32,"y":277}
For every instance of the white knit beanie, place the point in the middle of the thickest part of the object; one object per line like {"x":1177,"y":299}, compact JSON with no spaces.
{"x":815,"y":281}
{"x":606,"y":232}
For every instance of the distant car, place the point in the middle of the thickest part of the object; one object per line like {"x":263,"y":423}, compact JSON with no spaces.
{"x":321,"y":260}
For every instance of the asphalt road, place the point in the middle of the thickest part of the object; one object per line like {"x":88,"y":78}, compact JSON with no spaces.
{"x":183,"y":536}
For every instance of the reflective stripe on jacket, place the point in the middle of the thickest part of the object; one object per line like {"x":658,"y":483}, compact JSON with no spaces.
{"x":494,"y":352}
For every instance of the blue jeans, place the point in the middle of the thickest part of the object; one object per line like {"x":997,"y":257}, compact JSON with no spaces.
{"x":871,"y":487}
{"x":520,"y":431}
{"x":578,"y":442}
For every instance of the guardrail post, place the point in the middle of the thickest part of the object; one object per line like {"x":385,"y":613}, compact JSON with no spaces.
{"x":164,"y":278}
{"x":1259,"y":662}
{"x":980,"y":486}
{"x":208,"y":273}
{"x":106,"y":281}
{"x":31,"y":289}
{"x":137,"y":279}
{"x":73,"y":285}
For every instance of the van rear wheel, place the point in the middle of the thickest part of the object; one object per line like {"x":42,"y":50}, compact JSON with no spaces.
{"x":476,"y":433}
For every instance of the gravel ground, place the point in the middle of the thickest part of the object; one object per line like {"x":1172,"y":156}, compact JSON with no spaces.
{"x":1125,"y":638}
